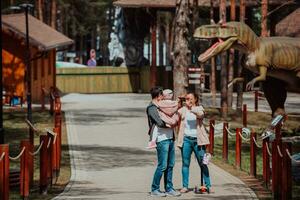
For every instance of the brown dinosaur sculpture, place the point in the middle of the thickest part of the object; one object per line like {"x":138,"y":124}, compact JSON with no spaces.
{"x":276,"y":60}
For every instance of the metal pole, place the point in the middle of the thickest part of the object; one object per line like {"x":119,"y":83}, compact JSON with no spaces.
{"x":26,"y":7}
{"x":1,"y":85}
{"x":29,"y":111}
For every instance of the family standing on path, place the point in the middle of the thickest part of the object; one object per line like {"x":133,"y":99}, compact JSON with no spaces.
{"x":164,"y":115}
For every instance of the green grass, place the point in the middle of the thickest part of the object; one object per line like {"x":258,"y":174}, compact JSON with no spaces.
{"x":245,"y":161}
{"x":16,"y":130}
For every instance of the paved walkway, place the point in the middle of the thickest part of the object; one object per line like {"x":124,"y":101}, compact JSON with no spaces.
{"x":107,"y":137}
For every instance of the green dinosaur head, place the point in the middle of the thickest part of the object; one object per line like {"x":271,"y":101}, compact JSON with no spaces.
{"x":225,"y":33}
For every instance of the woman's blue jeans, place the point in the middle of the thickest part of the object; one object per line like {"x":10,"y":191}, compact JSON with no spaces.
{"x":165,"y":163}
{"x":190,"y":145}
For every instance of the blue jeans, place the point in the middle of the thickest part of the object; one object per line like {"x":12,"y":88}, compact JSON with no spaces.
{"x":190,"y":145}
{"x":165,"y":163}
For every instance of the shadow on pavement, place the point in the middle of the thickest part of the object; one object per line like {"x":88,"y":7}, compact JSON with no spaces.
{"x":108,"y":157}
{"x":99,"y":116}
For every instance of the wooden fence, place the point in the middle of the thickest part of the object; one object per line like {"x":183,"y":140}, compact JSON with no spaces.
{"x":276,"y":156}
{"x":109,"y":79}
{"x":49,"y":151}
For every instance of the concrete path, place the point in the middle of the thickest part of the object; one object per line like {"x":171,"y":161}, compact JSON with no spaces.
{"x":107,"y":137}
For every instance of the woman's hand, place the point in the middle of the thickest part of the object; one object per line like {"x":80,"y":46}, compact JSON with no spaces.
{"x":198,"y":111}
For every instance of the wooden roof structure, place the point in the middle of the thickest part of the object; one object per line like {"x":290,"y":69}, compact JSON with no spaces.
{"x":290,"y":25}
{"x":41,"y":35}
{"x":172,"y":3}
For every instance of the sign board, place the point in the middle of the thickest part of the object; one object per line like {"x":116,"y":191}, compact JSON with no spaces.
{"x":193,"y":69}
{"x":194,"y":75}
{"x":194,"y":81}
{"x":168,"y":68}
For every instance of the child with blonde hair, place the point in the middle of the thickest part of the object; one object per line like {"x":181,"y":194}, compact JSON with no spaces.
{"x":167,"y":110}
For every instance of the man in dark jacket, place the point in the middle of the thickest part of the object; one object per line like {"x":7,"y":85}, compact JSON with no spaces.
{"x":165,"y":148}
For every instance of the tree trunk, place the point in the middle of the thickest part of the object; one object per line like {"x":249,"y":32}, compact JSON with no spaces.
{"x":40,"y":10}
{"x":167,"y":37}
{"x":93,"y":38}
{"x":160,"y":44}
{"x":168,"y":41}
{"x":153,"y":68}
{"x":264,"y":13}
{"x":224,"y":71}
{"x":53,"y":14}
{"x":239,"y":101}
{"x":182,"y":54}
{"x":231,"y":57}
{"x":213,"y":64}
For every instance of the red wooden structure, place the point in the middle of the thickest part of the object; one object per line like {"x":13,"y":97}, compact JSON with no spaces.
{"x":211,"y":136}
{"x":238,"y":147}
{"x":225,"y":142}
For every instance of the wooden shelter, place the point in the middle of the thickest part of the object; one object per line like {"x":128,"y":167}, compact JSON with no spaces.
{"x":153,"y":6}
{"x":172,"y":3}
{"x":290,"y":25}
{"x":43,"y":41}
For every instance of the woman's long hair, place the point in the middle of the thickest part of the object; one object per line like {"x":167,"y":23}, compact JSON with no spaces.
{"x":196,"y":97}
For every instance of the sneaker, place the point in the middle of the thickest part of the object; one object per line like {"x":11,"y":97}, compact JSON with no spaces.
{"x":184,"y":190}
{"x":173,"y":193}
{"x":209,"y":190}
{"x":151,"y":145}
{"x":157,"y":193}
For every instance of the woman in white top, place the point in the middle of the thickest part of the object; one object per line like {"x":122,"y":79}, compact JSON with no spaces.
{"x":192,"y":137}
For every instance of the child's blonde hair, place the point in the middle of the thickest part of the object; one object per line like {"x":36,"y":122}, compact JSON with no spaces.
{"x":168,"y":94}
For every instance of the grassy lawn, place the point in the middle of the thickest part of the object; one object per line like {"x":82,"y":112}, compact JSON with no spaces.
{"x":16,"y":130}
{"x":258,"y":121}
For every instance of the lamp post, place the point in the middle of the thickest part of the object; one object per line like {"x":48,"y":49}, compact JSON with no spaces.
{"x":1,"y":85}
{"x":26,"y":8}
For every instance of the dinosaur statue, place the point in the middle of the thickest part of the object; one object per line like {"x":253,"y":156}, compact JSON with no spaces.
{"x":276,"y":60}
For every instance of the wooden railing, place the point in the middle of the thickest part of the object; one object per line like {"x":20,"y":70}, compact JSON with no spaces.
{"x":279,"y":156}
{"x":50,"y":156}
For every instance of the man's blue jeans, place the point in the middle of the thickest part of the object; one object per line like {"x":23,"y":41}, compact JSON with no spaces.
{"x":165,"y":163}
{"x":190,"y":145}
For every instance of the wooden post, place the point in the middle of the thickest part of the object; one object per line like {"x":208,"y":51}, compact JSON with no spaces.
{"x":252,"y":154}
{"x":275,"y":163}
{"x":24,"y":169}
{"x":43,"y":165}
{"x":4,"y":169}
{"x":43,"y":100}
{"x":30,"y":163}
{"x":57,"y":130}
{"x":153,"y":60}
{"x":225,"y":142}
{"x":286,"y":172}
{"x":55,"y":155}
{"x":51,"y":100}
{"x":58,"y":149}
{"x":256,"y":101}
{"x":49,"y":158}
{"x":278,"y":159}
{"x":211,"y":136}
{"x":266,"y":163}
{"x":245,"y":115}
{"x":238,"y":145}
